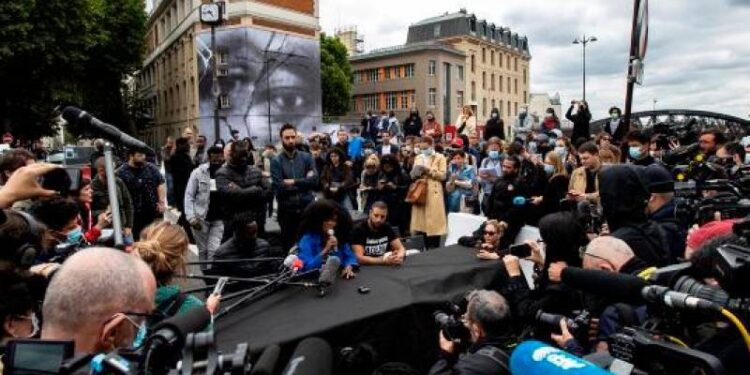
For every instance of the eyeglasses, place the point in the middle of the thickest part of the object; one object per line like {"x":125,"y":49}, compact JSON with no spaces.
{"x":584,"y":254}
{"x":488,"y":233}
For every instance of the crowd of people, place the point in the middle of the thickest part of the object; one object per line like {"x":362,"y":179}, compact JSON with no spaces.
{"x":601,"y":201}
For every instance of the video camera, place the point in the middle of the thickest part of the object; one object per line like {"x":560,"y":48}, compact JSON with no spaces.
{"x":452,"y":326}
{"x":577,"y":325}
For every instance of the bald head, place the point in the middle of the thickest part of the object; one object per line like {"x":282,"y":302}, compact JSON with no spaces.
{"x":607,"y":253}
{"x":91,"y":286}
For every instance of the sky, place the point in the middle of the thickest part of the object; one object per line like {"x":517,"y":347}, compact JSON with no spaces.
{"x":698,"y":55}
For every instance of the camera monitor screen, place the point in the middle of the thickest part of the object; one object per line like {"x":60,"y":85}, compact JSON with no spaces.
{"x":27,"y":357}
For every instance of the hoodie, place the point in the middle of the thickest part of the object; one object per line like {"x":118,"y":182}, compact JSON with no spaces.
{"x":623,"y":193}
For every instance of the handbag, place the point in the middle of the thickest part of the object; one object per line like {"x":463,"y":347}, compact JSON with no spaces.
{"x":417,"y":193}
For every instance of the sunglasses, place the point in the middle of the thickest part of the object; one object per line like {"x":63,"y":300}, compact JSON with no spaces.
{"x":488,"y":233}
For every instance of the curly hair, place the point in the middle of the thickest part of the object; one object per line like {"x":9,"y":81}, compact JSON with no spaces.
{"x":321,"y":210}
{"x":163,"y":246}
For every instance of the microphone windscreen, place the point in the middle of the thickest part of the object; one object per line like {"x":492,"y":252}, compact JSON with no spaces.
{"x":613,"y":286}
{"x":180,"y":325}
{"x":331,"y":232}
{"x":537,"y":358}
{"x":289,"y":260}
{"x":266,"y":363}
{"x":329,"y":270}
{"x":313,"y":356}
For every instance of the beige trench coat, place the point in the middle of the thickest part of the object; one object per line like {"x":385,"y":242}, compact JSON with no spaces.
{"x":430,"y":218}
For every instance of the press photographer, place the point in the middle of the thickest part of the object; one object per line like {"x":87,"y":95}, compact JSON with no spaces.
{"x":487,"y":318}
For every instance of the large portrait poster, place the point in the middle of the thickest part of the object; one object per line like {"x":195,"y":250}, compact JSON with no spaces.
{"x":265,"y":79}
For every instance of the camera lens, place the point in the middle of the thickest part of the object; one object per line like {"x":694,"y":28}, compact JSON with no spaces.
{"x":693,"y":287}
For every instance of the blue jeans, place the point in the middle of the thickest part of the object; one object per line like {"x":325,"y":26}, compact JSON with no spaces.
{"x":454,"y":200}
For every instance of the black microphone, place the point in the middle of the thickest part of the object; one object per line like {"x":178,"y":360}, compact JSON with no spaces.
{"x":172,"y":331}
{"x":313,"y":356}
{"x":613,"y":286}
{"x":266,"y":363}
{"x":77,"y":117}
{"x":678,"y":300}
{"x":328,"y":274}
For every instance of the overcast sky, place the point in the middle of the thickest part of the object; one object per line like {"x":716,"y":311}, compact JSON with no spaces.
{"x":698,"y":55}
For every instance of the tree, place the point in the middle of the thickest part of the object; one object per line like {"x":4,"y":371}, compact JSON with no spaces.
{"x":335,"y":75}
{"x":66,"y":52}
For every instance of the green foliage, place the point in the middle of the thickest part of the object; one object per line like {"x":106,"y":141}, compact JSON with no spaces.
{"x":75,"y":52}
{"x":336,"y":72}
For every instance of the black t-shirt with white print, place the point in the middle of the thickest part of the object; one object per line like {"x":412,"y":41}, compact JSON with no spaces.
{"x":376,"y":242}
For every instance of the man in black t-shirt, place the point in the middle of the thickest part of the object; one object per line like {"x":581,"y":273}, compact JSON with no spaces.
{"x":375,"y":242}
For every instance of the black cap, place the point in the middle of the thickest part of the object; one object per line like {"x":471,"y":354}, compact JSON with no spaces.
{"x":659,"y":179}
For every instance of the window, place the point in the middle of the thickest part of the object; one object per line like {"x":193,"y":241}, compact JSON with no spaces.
{"x":524,"y":77}
{"x":436,"y":31}
{"x":224,"y":101}
{"x":500,"y":83}
{"x":473,"y":90}
{"x":492,"y":57}
{"x":515,"y":86}
{"x":484,"y":80}
{"x":432,"y":97}
{"x":500,"y":107}
{"x":412,"y":98}
{"x":524,"y":96}
{"x":515,"y":64}
{"x":508,"y":86}
{"x":509,"y":108}
{"x":515,"y":109}
{"x":390,"y":100}
{"x":222,"y":72}
{"x":223,"y":58}
{"x":404,"y":100}
{"x":484,"y":107}
{"x":484,"y":55}
{"x":493,"y":104}
{"x":472,"y":63}
{"x":492,"y":81}
{"x":387,"y":73}
{"x":409,"y":70}
{"x":500,"y":58}
{"x":473,"y":25}
{"x":431,"y":67}
{"x":507,"y":61}
{"x":460,"y":98}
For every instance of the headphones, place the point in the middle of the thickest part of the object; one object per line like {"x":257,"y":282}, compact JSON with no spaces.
{"x":26,"y":254}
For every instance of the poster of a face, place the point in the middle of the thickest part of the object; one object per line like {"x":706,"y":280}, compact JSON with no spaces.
{"x":268,"y":79}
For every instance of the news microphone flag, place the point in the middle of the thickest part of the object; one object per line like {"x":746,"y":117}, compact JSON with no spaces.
{"x":537,"y":358}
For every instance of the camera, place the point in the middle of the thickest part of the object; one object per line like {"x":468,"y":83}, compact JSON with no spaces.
{"x":452,"y":327}
{"x":578,"y":325}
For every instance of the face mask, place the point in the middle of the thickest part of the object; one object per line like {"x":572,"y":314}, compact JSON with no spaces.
{"x":549,"y":169}
{"x":532,"y":147}
{"x":213,"y":167}
{"x":427,"y":152}
{"x":74,"y":236}
{"x":561,"y":151}
{"x":747,"y":158}
{"x":635,"y":152}
{"x":417,"y":150}
{"x":140,"y":336}
{"x":138,"y":164}
{"x":494,"y":154}
{"x":614,"y":116}
{"x":368,"y":152}
{"x":494,"y":115}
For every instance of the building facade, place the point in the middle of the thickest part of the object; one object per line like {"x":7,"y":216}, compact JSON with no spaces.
{"x":420,"y":75}
{"x":494,"y":72}
{"x":175,"y":85}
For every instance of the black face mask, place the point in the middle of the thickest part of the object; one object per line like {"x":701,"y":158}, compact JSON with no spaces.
{"x":139,"y":164}
{"x":213,"y":167}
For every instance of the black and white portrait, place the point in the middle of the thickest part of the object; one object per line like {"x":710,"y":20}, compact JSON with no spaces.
{"x":265,"y":79}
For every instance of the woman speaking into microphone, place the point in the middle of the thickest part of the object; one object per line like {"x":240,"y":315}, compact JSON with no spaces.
{"x":322,"y":222}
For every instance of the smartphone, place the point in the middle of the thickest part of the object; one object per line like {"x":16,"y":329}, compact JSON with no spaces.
{"x":62,"y":180}
{"x":219,"y":288}
{"x":522,"y":251}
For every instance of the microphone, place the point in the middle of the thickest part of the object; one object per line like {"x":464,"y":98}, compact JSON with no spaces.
{"x":77,"y":117}
{"x":293,"y":262}
{"x":266,"y":363}
{"x":537,"y":358}
{"x":520,"y":201}
{"x":172,"y":332}
{"x":313,"y":356}
{"x":614,"y":286}
{"x":328,"y":274}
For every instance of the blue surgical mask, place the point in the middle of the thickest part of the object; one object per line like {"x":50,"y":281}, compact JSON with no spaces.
{"x":561,"y":151}
{"x":747,"y":158}
{"x":635,"y":152}
{"x":427,"y":152}
{"x":549,"y":169}
{"x":494,"y":154}
{"x":140,"y":336}
{"x":74,"y":236}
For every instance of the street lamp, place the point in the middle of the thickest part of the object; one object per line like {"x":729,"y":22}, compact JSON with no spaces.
{"x":584,"y":41}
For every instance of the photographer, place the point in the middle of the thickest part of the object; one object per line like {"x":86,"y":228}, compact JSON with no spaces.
{"x":732,"y":157}
{"x":487,"y":318}
{"x":580,"y":119}
{"x":662,"y":208}
{"x":710,"y":141}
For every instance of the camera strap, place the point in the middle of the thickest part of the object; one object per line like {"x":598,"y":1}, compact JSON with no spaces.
{"x":170,"y":306}
{"x":496,"y":355}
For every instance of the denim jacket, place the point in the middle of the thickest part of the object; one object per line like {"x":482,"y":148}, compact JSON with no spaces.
{"x":198,"y":192}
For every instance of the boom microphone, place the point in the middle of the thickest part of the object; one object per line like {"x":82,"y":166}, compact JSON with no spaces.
{"x":537,"y":358}
{"x":328,"y":274}
{"x":313,"y":356}
{"x":678,"y":300}
{"x":615,"y":287}
{"x":76,"y":117}
{"x":266,"y":363}
{"x":173,"y":331}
